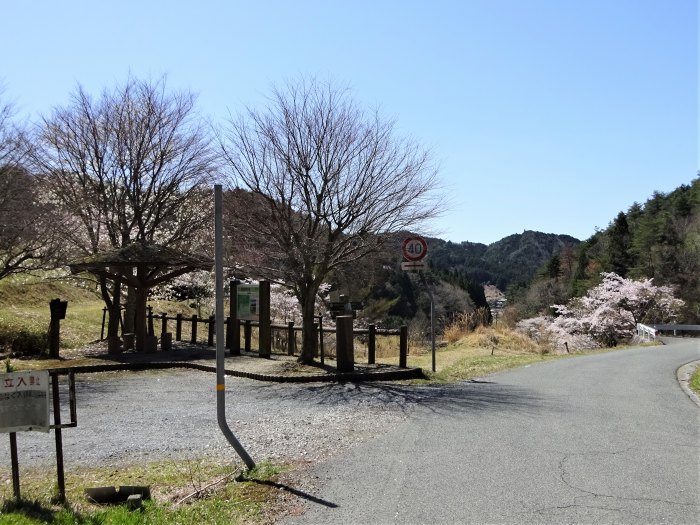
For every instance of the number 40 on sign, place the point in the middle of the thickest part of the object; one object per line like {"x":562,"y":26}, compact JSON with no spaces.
{"x":414,"y":249}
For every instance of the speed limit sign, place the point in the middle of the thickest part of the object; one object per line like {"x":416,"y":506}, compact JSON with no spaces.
{"x":414,"y":248}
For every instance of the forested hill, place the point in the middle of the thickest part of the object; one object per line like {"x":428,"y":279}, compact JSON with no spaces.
{"x":512,"y":260}
{"x":659,"y":239}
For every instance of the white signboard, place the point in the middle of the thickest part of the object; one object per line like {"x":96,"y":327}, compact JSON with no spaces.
{"x":24,"y":401}
{"x":248,"y":302}
{"x":413,"y":266}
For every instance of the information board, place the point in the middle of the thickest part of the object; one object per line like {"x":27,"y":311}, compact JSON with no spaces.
{"x":24,"y":401}
{"x":248,"y":302}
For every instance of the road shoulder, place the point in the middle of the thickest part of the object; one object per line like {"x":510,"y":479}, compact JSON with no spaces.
{"x":683,"y":375}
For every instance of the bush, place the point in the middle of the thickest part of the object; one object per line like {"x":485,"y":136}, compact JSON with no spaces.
{"x":23,"y":341}
{"x":465,"y":323}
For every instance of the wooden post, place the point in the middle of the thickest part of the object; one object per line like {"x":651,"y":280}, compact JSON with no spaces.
{"x":150,"y":321}
{"x":344,"y":349}
{"x":403,"y":346}
{"x":58,"y":312}
{"x":247,"y":335}
{"x":371,"y":344}
{"x":104,"y":316}
{"x":194,"y":329}
{"x":291,"y":338}
{"x":54,"y":337}
{"x":264,"y":328}
{"x":212,"y":326}
{"x":234,"y":327}
{"x":320,"y":336}
{"x":178,"y":327}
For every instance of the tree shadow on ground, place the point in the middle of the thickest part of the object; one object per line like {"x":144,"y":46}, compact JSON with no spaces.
{"x":299,"y":493}
{"x":475,"y":395}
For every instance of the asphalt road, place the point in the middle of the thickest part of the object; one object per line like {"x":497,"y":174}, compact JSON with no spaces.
{"x":606,"y":438}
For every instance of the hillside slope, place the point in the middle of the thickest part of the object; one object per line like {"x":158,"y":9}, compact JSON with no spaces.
{"x":510,"y":261}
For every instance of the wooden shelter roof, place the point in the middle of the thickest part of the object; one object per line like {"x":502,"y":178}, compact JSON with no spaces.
{"x":141,"y":254}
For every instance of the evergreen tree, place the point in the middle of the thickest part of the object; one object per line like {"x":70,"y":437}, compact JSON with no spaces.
{"x":619,"y":256}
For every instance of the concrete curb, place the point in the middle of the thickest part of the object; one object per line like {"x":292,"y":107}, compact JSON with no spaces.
{"x":357,"y":376}
{"x":683,"y":375}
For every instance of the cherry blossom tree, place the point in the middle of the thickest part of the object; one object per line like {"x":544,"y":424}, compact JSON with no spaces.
{"x":608,"y":313}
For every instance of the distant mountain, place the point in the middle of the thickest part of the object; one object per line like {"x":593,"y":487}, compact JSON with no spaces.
{"x":512,"y":260}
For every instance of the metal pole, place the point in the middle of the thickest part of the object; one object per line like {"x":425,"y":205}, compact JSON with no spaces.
{"x":60,"y":476}
{"x":15,"y":465}
{"x":220,"y":384}
{"x":432,"y":317}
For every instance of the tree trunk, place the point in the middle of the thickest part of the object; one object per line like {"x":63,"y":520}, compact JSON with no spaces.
{"x":113,"y":306}
{"x":140,"y":320}
{"x":130,"y":310}
{"x":308,"y":328}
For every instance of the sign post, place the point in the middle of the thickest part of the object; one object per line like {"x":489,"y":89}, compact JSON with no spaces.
{"x":414,"y":250}
{"x":24,"y":406}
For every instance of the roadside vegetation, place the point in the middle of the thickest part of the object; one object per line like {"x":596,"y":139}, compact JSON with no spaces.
{"x":695,"y":381}
{"x":182,"y":492}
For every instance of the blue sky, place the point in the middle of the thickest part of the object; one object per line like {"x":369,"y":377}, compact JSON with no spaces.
{"x":547,"y":115}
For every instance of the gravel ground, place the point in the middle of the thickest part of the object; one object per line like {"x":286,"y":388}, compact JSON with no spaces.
{"x":131,"y":417}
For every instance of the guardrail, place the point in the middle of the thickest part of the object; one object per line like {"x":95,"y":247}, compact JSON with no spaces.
{"x":651,"y":332}
{"x":647,"y":332}
{"x":675,"y":328}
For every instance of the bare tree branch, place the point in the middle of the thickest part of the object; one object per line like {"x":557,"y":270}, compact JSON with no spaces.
{"x":129,"y":166}
{"x":328,"y":182}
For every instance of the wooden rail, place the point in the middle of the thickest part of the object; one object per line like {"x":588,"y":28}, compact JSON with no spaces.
{"x":284,"y":336}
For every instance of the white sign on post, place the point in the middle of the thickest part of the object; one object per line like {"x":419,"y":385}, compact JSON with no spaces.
{"x":24,"y":401}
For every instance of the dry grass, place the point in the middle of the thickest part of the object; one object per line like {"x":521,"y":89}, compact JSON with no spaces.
{"x":482,"y":351}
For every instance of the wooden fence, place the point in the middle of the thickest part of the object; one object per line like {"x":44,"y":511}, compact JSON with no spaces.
{"x":202,"y":330}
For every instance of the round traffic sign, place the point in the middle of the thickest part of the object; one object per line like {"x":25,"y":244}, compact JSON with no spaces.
{"x":414,"y":248}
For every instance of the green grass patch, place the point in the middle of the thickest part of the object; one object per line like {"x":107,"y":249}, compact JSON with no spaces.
{"x":25,"y":314}
{"x":694,"y":382}
{"x":460,"y":362}
{"x":183,"y":492}
{"x":477,"y":366}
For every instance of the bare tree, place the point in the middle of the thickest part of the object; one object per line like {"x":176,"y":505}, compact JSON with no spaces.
{"x":327,"y":180}
{"x":25,"y":230}
{"x":27,"y":226}
{"x":129,"y":166}
{"x":13,"y":140}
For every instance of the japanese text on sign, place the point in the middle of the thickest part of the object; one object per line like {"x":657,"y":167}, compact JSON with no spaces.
{"x":24,"y":401}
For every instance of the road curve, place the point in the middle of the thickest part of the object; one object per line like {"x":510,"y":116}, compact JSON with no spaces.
{"x":605,"y":438}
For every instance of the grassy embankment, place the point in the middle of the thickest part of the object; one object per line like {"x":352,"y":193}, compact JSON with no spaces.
{"x":477,"y":353}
